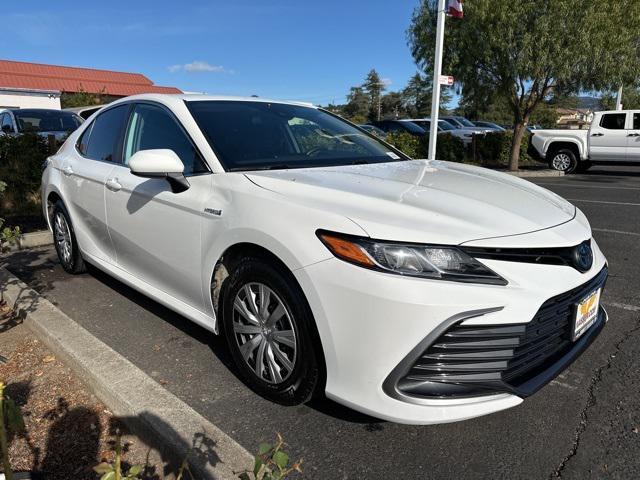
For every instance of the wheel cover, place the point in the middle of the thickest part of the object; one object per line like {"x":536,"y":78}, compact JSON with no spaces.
{"x":62,"y":235}
{"x":561,"y":162}
{"x":265,"y":333}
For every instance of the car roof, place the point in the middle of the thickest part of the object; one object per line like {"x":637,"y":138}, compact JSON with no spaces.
{"x":192,"y":97}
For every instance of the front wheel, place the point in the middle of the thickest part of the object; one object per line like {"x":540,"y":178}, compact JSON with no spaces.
{"x":64,"y":239}
{"x":564,"y":160}
{"x":269,"y":330}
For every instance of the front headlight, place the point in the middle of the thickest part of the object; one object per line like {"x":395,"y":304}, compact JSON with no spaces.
{"x":428,"y":261}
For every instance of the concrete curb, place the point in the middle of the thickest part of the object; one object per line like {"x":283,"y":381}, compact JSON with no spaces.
{"x":163,"y":421}
{"x":40,"y":238}
{"x":535,"y":173}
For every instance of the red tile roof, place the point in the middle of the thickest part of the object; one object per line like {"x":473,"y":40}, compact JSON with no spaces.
{"x":73,"y":79}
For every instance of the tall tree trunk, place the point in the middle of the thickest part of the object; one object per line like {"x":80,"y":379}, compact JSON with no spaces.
{"x":518,"y":134}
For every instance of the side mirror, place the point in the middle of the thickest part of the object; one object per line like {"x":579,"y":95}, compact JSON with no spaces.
{"x":160,"y":163}
{"x":7,"y":129}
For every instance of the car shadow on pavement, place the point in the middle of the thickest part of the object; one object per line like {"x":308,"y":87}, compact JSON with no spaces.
{"x":217,"y":345}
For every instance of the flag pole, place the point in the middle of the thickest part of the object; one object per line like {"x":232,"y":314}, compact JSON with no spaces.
{"x":437,"y":70}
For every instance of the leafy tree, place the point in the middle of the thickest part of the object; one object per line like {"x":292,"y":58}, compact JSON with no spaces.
{"x":524,"y":50}
{"x":83,"y":98}
{"x":357,"y":107}
{"x":374,"y":87}
{"x":630,"y":99}
{"x":417,"y":96}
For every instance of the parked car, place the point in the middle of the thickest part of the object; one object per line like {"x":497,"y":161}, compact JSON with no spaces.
{"x":373,"y":130}
{"x":445,"y":128}
{"x":84,"y":112}
{"x":393,"y":126}
{"x":462,"y":123}
{"x":490,"y":125}
{"x":42,"y":121}
{"x":614,"y":137}
{"x":416,"y":291}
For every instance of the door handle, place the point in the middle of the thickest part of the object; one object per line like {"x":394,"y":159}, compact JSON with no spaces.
{"x":113,"y":185}
{"x":67,"y":171}
{"x":597,"y":134}
{"x":633,"y":135}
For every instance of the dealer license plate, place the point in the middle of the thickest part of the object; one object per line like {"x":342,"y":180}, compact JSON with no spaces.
{"x":586,"y":314}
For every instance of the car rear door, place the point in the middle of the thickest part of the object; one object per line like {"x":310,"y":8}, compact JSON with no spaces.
{"x":608,"y":138}
{"x":156,"y":232}
{"x":633,"y":137}
{"x":84,"y":173}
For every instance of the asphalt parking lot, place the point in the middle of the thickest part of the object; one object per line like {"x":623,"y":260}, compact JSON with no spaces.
{"x":585,"y":424}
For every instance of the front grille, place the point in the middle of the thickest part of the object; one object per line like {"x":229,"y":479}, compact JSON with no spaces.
{"x":518,"y":358}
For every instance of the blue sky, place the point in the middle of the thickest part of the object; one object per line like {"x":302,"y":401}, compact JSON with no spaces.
{"x":283,"y":49}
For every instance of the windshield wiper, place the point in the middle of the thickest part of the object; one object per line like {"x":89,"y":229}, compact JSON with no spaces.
{"x":360,"y":162}
{"x":276,"y":166}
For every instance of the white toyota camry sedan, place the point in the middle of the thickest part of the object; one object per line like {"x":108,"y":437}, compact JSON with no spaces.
{"x":415,"y":291}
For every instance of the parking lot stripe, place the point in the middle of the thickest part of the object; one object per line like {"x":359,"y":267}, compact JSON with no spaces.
{"x":624,"y":306}
{"x":621,"y":232}
{"x":573,"y":185}
{"x":629,"y":204}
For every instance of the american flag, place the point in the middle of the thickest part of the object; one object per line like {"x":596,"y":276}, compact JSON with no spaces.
{"x":455,"y":8}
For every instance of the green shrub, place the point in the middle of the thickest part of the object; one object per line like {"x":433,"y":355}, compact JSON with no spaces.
{"x":494,"y":149}
{"x":448,"y":148}
{"x":21,"y":160}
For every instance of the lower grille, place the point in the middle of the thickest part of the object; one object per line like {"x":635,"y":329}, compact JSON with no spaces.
{"x":517,"y":358}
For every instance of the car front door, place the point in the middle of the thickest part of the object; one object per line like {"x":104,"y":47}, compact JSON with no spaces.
{"x":608,"y":138}
{"x":156,"y":232}
{"x":84,"y":173}
{"x":633,"y":138}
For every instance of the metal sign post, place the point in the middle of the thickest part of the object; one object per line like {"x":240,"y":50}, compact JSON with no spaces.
{"x":437,"y":69}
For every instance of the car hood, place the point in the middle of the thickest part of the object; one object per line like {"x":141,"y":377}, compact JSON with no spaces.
{"x":422,"y":201}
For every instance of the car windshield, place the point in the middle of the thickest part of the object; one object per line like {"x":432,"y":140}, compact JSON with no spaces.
{"x":465,"y":122}
{"x":248,"y":135}
{"x":453,"y":122}
{"x":29,"y":120}
{"x":445,"y":125}
{"x":412,"y":127}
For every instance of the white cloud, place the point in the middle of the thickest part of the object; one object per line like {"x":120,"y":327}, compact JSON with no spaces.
{"x":198,"y":66}
{"x":386,"y":81}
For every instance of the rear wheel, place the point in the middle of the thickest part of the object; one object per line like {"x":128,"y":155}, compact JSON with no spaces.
{"x":268,"y":327}
{"x":564,"y":160}
{"x":65,"y":241}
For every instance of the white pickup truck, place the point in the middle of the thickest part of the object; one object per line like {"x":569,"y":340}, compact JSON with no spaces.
{"x":614,"y":137}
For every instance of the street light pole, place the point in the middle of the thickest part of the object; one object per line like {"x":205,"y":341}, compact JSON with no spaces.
{"x":619,"y":99}
{"x":437,"y":70}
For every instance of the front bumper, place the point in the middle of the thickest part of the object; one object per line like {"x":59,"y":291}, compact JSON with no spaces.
{"x":369,"y":323}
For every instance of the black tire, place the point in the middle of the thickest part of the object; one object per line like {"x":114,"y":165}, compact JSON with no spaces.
{"x":71,"y":260}
{"x":564,"y":160}
{"x":302,"y":381}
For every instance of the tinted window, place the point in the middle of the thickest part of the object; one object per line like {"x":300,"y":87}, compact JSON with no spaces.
{"x":446,"y":126}
{"x":33,"y":120}
{"x":259,"y":135}
{"x":105,"y":134}
{"x":7,"y":124}
{"x":636,"y":121}
{"x":152,"y":127}
{"x":84,"y":139}
{"x":613,"y":121}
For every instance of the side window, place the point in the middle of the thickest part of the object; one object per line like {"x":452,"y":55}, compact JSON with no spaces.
{"x":83,"y":141}
{"x":7,"y":125}
{"x":105,"y":132}
{"x":152,"y":127}
{"x":613,"y":121}
{"x":636,"y":121}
